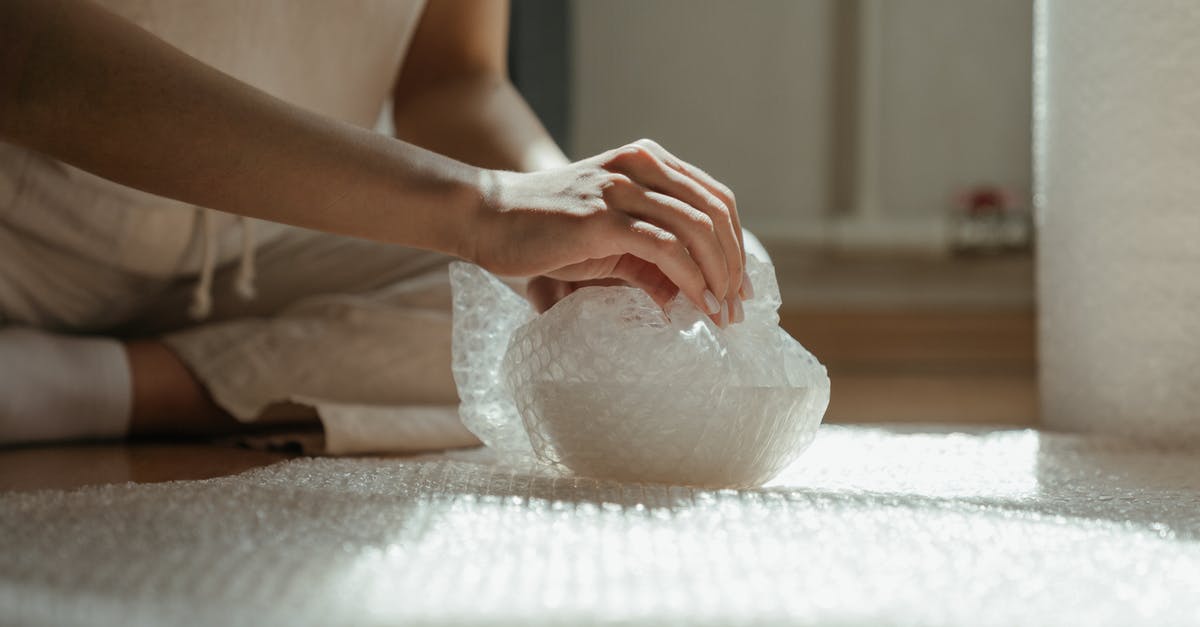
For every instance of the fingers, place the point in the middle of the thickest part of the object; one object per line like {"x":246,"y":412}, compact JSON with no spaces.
{"x":692,"y":227}
{"x":652,"y":166}
{"x":644,"y":167}
{"x":543,"y":292}
{"x":663,"y":249}
{"x":713,"y":186}
{"x":647,"y":277}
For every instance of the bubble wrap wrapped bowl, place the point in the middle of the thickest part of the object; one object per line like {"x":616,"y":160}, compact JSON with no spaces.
{"x":605,"y":385}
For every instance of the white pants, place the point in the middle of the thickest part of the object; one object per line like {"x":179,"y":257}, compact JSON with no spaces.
{"x":357,"y":329}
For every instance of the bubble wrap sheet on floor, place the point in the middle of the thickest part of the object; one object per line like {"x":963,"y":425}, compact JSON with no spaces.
{"x":869,"y":527}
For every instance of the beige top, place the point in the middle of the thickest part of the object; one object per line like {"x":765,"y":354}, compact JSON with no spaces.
{"x":338,"y":58}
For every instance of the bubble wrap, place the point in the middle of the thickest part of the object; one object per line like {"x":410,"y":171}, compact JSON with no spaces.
{"x":1117,"y":143}
{"x":605,"y":385}
{"x":869,"y":527}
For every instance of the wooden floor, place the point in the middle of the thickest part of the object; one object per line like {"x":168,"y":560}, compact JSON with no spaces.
{"x":924,"y":366}
{"x":71,"y":466}
{"x":916,"y":338}
{"x":911,"y":340}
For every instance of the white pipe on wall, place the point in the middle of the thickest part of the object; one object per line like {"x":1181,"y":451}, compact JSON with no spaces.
{"x":867,"y":206}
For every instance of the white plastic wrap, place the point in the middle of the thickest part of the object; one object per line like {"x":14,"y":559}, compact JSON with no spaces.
{"x":868,"y":527}
{"x":605,"y":385}
{"x":1117,"y":147}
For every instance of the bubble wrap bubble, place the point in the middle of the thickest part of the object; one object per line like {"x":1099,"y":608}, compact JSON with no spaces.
{"x":1117,"y":143}
{"x":869,"y":527}
{"x":605,"y":385}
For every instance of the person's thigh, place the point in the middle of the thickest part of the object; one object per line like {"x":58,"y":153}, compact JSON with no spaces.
{"x":57,"y":289}
{"x":336,"y":320}
{"x":297,"y":264}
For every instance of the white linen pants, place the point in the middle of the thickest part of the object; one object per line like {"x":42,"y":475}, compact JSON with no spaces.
{"x":358,"y":329}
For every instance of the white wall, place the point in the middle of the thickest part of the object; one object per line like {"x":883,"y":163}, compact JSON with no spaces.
{"x":746,"y":89}
{"x":739,"y":88}
{"x":956,"y":100}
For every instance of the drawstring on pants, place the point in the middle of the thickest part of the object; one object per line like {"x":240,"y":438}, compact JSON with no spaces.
{"x":245,"y":279}
{"x":202,"y":294}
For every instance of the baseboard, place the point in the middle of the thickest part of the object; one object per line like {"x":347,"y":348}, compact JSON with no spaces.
{"x":915,"y":236}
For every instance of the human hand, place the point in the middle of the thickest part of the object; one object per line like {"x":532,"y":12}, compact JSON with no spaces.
{"x":544,"y":292}
{"x":637,"y":214}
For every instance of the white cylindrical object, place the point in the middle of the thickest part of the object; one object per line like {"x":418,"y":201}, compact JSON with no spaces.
{"x":1117,"y":153}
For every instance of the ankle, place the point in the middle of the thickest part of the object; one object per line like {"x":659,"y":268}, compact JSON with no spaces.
{"x":167,"y":397}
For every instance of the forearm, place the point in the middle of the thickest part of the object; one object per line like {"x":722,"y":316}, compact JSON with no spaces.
{"x":90,"y":89}
{"x":481,"y":120}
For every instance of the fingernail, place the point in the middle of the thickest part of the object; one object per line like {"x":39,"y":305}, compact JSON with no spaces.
{"x":739,"y":312}
{"x":747,"y":286}
{"x":711,"y":304}
{"x":724,"y":315}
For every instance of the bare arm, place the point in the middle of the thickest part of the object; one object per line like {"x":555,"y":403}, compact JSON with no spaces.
{"x":453,"y":95}
{"x":91,"y":89}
